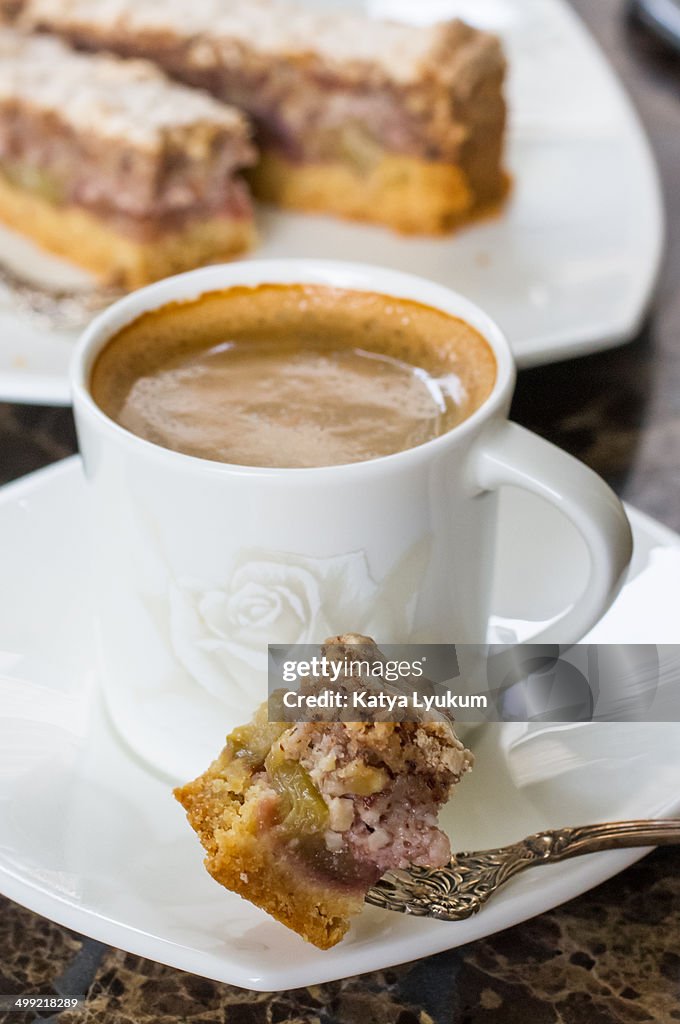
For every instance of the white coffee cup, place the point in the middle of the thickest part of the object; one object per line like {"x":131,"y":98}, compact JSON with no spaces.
{"x":200,"y":564}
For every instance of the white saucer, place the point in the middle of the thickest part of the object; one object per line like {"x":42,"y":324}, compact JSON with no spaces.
{"x":89,"y":838}
{"x":568,"y":267}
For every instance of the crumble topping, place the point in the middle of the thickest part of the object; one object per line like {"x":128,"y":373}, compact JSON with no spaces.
{"x":403,"y":53}
{"x":128,"y":100}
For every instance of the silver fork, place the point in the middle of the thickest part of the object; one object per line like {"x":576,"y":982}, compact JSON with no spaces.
{"x":463,"y":887}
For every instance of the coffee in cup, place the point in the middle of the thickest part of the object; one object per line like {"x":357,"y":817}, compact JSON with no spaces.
{"x":293,"y":375}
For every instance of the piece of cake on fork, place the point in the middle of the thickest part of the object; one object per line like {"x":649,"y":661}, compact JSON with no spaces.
{"x":374,"y":120}
{"x":110,"y":164}
{"x":303,"y":818}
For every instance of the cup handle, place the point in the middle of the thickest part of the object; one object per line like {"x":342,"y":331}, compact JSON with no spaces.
{"x":508,"y":454}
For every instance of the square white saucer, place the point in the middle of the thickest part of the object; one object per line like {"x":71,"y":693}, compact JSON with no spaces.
{"x":91,"y":838}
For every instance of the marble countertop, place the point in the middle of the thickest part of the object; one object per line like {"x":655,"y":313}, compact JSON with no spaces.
{"x":613,"y":955}
{"x":610,"y":957}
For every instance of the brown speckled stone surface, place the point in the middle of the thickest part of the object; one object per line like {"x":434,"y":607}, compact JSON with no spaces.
{"x":609,"y":957}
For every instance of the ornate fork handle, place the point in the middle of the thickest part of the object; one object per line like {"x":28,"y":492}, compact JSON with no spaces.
{"x":562,"y":843}
{"x":466,"y":883}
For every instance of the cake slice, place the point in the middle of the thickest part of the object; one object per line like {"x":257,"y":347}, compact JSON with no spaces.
{"x":375,"y":120}
{"x":303,"y":818}
{"x":108,"y":163}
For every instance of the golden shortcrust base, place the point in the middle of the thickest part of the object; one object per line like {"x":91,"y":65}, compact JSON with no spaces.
{"x":240,"y":858}
{"x":409,"y":195}
{"x":84,"y":239}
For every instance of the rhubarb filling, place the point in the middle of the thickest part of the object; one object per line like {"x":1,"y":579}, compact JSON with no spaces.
{"x":148,"y":224}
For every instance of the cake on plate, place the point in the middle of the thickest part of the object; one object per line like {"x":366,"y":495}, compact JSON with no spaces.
{"x":375,"y":120}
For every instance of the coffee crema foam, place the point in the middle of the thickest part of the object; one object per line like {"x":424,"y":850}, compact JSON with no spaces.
{"x":293,"y":375}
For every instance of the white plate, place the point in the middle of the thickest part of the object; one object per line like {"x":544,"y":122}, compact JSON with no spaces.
{"x":90,"y":838}
{"x":569,"y":266}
